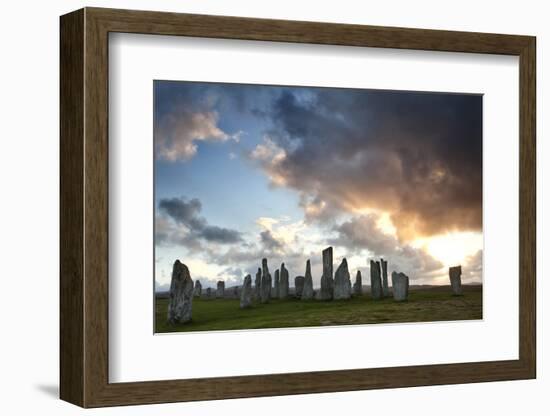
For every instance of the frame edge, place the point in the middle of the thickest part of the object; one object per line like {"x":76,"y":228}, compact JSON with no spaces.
{"x":71,"y":99}
{"x":528,"y":208}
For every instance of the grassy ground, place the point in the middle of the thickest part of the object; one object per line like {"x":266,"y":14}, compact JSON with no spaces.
{"x":424,"y":305}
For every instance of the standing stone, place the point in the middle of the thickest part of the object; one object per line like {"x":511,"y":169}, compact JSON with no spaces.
{"x":342,"y":283}
{"x":327,"y":282}
{"x":197,"y":292}
{"x":284,"y":284}
{"x":265,"y":290}
{"x":246,"y":292}
{"x":358,"y":285}
{"x":385,"y":288}
{"x":307,"y":291}
{"x":235,"y":292}
{"x":208,"y":292}
{"x":180,"y":305}
{"x":375,"y":281}
{"x":258,"y":284}
{"x":400,"y":286}
{"x":456,"y":283}
{"x":298,"y":286}
{"x":276,"y":284}
{"x":220,"y":289}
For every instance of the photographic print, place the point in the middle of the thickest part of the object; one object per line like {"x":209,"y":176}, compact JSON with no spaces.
{"x":294,"y":206}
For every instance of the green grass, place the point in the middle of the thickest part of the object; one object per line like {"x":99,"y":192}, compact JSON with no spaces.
{"x":425,"y":305}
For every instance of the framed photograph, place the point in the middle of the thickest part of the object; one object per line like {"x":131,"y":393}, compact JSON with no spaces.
{"x":255,"y":207}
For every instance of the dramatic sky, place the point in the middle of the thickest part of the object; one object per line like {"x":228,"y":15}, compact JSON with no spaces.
{"x":244,"y":172}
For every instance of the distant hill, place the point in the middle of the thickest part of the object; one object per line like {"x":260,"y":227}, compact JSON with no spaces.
{"x":366,"y":289}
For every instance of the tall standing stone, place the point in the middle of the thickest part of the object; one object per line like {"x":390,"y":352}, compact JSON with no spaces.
{"x":358,"y":285}
{"x":400,"y":286}
{"x":375,"y":280}
{"x":258,"y":285}
{"x":276,"y":284}
{"x":298,"y":286}
{"x":342,"y":282}
{"x":197,"y":292}
{"x":327,"y":282}
{"x":385,"y":288}
{"x":180,"y":306}
{"x":246,"y":292}
{"x":220,"y":289}
{"x":284,"y":284}
{"x":265,"y":283}
{"x":208,"y":292}
{"x":307,"y":292}
{"x":456,"y":283}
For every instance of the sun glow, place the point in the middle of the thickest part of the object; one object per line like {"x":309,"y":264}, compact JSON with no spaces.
{"x":452,"y":249}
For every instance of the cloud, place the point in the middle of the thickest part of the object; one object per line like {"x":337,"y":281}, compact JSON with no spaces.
{"x":179,"y":130}
{"x":161,"y":287}
{"x":220,"y":235}
{"x":473,"y":268}
{"x":186,"y":213}
{"x":270,"y":242}
{"x":270,"y":156}
{"x":363,"y":233}
{"x":183,"y":212}
{"x":248,"y":260}
{"x":414,"y":155}
{"x":276,"y":241}
{"x":186,"y":114}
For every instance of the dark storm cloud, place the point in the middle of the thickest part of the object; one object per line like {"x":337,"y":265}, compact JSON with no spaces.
{"x":168,"y":233}
{"x":187,"y":213}
{"x":415,"y":155}
{"x":184,"y":212}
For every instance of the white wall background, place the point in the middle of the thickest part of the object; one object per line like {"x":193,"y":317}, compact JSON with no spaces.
{"x":29,"y":159}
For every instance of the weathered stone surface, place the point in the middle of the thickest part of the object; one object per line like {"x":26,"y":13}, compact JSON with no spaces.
{"x":246,"y":292}
{"x":358,"y":285}
{"x":276,"y":284}
{"x":307,"y":291}
{"x":180,"y":306}
{"x":375,"y":280}
{"x":342,"y":282}
{"x":208,"y":292}
{"x":220,"y":290}
{"x":385,"y":288}
{"x":456,"y":282}
{"x":298,"y":286}
{"x":258,"y":285}
{"x":265,"y":291}
{"x":283,"y":284}
{"x":197,"y":292}
{"x":400,"y":286}
{"x":327,"y":281}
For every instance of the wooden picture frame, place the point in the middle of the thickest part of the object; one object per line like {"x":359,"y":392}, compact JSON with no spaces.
{"x":84,"y":207}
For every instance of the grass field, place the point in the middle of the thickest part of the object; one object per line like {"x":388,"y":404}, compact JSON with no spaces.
{"x":424,"y":305}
